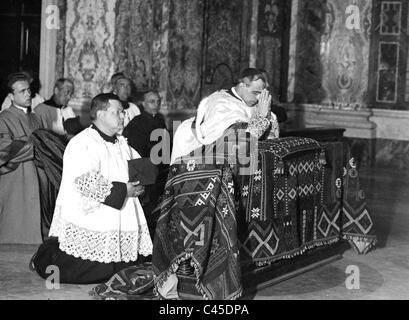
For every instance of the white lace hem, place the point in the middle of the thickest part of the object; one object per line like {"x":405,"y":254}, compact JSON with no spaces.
{"x":102,"y":246}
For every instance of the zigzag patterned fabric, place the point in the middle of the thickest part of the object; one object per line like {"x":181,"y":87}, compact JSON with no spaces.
{"x":357,"y":224}
{"x":307,"y":203}
{"x":285,"y":210}
{"x":298,"y":197}
{"x":198,"y":222}
{"x":132,"y":283}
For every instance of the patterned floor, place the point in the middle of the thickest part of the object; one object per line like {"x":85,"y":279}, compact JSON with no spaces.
{"x":383,"y":273}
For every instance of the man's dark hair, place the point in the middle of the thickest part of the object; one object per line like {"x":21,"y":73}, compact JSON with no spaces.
{"x":60,"y":82}
{"x":13,"y":78}
{"x":251,"y":74}
{"x":101,"y":102}
{"x":149,"y":91}
{"x":115,"y":77}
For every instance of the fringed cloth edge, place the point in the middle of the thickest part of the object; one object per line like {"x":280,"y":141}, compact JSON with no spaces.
{"x":174,"y":265}
{"x":369,"y":242}
{"x":296,"y":252}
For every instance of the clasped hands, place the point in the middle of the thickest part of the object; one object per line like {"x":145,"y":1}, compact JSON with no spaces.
{"x":264,"y":102}
{"x":134,"y":189}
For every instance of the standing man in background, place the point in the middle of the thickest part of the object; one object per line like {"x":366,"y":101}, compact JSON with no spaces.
{"x":142,"y":133}
{"x":139,"y":130}
{"x":19,"y":190}
{"x":36,"y":99}
{"x":121,"y":86}
{"x":55,"y":114}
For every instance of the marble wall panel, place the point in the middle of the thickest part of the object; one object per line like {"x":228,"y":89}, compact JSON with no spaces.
{"x":390,"y":55}
{"x":392,"y":154}
{"x":380,"y":153}
{"x":391,"y":124}
{"x":89,"y":45}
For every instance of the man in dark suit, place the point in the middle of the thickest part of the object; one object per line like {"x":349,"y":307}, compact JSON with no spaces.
{"x":139,"y":130}
{"x":142,"y":132}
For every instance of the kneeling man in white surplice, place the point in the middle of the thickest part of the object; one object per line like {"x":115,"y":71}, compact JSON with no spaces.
{"x":99,"y":226}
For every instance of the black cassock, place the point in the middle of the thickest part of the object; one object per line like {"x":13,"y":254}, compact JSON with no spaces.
{"x":48,"y":157}
{"x":138,"y":132}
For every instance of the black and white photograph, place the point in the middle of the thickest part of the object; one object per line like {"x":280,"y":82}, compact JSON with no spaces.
{"x":204,"y":150}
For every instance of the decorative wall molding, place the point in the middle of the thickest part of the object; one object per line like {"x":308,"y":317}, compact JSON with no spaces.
{"x":387,"y":73}
{"x":356,"y":122}
{"x":368,"y":123}
{"x":391,"y":124}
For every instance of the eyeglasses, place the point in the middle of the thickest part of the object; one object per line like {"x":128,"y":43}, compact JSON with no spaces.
{"x":67,"y":93}
{"x":154,"y":101}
